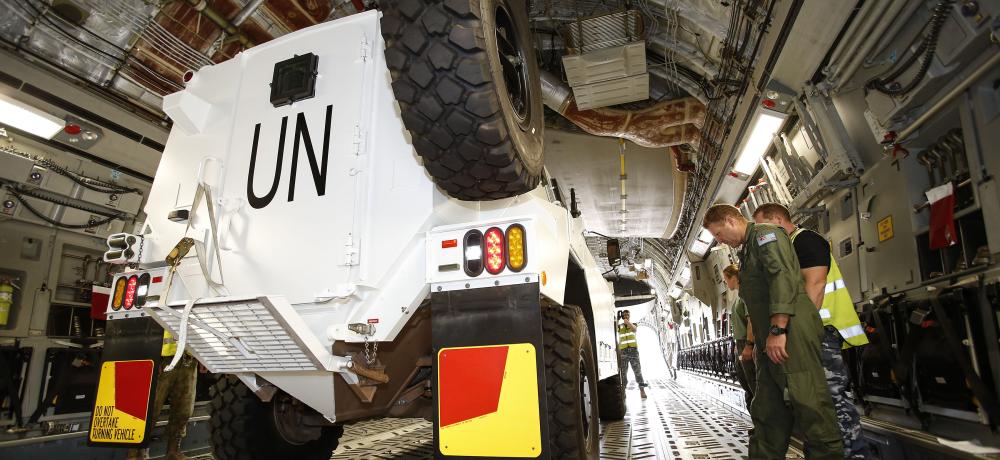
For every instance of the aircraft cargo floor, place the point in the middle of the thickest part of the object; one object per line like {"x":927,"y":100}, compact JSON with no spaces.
{"x":678,"y":420}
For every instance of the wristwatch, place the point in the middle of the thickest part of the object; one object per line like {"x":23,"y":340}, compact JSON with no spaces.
{"x":775,"y":330}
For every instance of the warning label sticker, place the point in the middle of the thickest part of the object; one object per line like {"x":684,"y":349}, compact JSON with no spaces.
{"x":120,"y":410}
{"x":885,"y":229}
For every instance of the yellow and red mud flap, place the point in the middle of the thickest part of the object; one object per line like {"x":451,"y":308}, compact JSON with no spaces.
{"x":489,"y":381}
{"x":126,"y":389}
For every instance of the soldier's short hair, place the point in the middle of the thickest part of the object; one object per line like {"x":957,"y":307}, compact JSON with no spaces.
{"x":731,"y":271}
{"x":719,"y":212}
{"x":772,"y":210}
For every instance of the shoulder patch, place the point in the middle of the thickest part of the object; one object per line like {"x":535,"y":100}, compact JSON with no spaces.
{"x":766,"y":238}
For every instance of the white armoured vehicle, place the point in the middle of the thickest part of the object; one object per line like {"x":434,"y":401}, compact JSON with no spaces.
{"x":353,"y":221}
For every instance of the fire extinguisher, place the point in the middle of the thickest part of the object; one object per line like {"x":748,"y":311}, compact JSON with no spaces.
{"x":6,"y":300}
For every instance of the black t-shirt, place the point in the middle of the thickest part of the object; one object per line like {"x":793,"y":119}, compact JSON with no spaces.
{"x":812,"y":249}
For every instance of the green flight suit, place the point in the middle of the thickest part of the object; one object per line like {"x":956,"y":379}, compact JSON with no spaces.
{"x":793,"y":393}
{"x":738,"y":320}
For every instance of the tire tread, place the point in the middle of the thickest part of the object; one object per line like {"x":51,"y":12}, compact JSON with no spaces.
{"x":436,"y":54}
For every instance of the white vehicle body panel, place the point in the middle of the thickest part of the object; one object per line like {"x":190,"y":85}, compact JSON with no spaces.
{"x":316,"y":262}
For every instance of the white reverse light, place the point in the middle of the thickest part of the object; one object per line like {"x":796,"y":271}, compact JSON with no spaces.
{"x":474,"y":252}
{"x":22,"y":116}
{"x":764,"y":128}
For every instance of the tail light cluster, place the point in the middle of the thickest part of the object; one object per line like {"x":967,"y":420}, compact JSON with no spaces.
{"x":495,"y":250}
{"x":130,"y":292}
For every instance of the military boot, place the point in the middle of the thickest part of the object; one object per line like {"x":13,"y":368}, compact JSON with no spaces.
{"x":174,"y":449}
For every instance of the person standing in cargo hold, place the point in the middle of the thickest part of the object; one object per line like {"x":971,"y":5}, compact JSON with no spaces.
{"x":746,"y":371}
{"x":629,"y":349}
{"x":179,"y":384}
{"x":841,"y":326}
{"x":791,"y":384}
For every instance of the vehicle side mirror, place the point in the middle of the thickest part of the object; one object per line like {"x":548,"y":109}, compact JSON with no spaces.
{"x":614,"y":253}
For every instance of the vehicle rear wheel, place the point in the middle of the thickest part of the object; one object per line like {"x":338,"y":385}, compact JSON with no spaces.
{"x":611,"y":398}
{"x":466,"y":79}
{"x":571,"y":380}
{"x":245,"y":428}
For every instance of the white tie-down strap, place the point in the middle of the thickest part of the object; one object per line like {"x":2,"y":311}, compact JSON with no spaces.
{"x":205,"y":191}
{"x":182,"y":336}
{"x":824,"y":313}
{"x":852,"y":331}
{"x":185,"y":318}
{"x":834,"y":285}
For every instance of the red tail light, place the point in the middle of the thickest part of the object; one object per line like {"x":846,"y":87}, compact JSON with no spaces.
{"x":496,"y":257}
{"x":130,"y":288}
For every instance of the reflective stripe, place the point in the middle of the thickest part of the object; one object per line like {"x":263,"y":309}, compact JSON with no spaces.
{"x":169,"y":347}
{"x":626,"y":338}
{"x":824,"y":313}
{"x":852,"y":331}
{"x":834,"y":285}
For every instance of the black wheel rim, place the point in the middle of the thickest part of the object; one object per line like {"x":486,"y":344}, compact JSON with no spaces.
{"x":513,"y":65}
{"x":288,"y":421}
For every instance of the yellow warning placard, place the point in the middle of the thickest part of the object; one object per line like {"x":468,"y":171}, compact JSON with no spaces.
{"x":504,"y":400}
{"x":121,"y":407}
{"x":885,"y":229}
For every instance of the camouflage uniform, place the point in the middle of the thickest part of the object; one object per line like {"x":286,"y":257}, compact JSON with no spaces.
{"x":855,"y":446}
{"x":630,"y":356}
{"x":180,"y":385}
{"x":627,"y":346}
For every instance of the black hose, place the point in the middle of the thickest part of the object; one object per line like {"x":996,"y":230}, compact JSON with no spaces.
{"x":86,"y":182}
{"x":887,"y":85}
{"x":38,"y":214}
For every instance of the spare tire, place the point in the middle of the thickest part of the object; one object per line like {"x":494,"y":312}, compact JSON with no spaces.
{"x":466,"y":79}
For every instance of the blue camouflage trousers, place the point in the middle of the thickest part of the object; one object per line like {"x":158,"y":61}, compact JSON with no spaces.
{"x":855,"y":446}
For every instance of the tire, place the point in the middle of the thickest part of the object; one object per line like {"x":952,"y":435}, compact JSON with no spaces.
{"x":243,"y":428}
{"x":477,"y":128}
{"x":570,"y":377}
{"x":611,"y":398}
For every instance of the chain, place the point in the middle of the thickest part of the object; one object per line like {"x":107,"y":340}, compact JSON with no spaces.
{"x":371,"y":354}
{"x":138,"y":257}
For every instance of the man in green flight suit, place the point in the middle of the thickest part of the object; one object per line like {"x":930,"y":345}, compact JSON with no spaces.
{"x":791,"y":383}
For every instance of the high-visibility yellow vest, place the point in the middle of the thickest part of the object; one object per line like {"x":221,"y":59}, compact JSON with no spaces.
{"x":169,"y":345}
{"x":626,"y":337}
{"x":838,"y":309}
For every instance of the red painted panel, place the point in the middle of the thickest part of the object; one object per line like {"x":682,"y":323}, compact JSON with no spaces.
{"x":132,"y":382}
{"x":469,"y":382}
